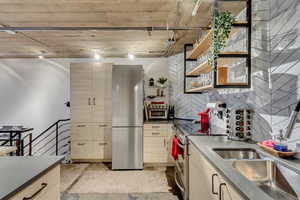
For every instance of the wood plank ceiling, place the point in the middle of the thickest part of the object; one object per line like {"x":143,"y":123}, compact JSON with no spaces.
{"x":98,"y":13}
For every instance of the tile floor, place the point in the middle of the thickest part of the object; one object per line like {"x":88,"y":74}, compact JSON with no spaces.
{"x":98,"y":182}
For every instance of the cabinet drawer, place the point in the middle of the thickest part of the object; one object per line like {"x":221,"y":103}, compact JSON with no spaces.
{"x":82,"y":150}
{"x":155,"y":133}
{"x":90,"y":150}
{"x":45,"y":188}
{"x":103,"y":150}
{"x":157,"y":126}
{"x":91,"y":132}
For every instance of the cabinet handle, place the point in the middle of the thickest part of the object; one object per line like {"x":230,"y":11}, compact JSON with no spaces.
{"x":80,"y":144}
{"x":102,"y":126}
{"x":155,"y":126}
{"x":155,"y":133}
{"x":81,"y":126}
{"x":213,"y":184}
{"x":43,"y":186}
{"x":164,"y":142}
{"x":89,"y":101}
{"x":94,"y":101}
{"x":220,"y":190}
{"x":104,"y":143}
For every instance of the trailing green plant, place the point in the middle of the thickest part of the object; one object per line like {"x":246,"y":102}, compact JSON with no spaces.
{"x":162,"y":80}
{"x":222,"y":26}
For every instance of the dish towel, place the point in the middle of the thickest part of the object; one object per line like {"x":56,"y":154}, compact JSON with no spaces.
{"x":204,"y":121}
{"x":176,"y":149}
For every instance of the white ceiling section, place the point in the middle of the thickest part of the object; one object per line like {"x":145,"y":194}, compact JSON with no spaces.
{"x":98,"y":13}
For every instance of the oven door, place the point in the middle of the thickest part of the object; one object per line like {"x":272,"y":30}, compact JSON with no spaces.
{"x":180,"y":172}
{"x":158,"y":114}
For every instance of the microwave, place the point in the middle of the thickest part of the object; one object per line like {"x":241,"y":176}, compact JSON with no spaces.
{"x":158,"y":111}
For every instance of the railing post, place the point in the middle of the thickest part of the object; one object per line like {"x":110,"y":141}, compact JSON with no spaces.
{"x":22,"y":148}
{"x":30,"y":144}
{"x":18,"y":144}
{"x":56,"y":139}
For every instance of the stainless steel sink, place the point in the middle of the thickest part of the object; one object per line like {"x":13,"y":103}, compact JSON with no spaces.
{"x":276,"y":180}
{"x":239,"y":154}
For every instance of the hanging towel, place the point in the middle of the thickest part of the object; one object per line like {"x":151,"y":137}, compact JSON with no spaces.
{"x":204,"y":121}
{"x":176,"y":149}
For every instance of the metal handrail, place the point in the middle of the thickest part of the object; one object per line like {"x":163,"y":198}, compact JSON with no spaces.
{"x":56,"y":125}
{"x":53,"y":125}
{"x":20,"y":143}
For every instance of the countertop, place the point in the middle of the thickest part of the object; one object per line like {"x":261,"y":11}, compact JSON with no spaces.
{"x":6,"y":150}
{"x":18,"y":172}
{"x":247,"y":189}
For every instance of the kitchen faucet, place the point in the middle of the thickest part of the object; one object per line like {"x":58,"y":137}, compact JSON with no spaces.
{"x":292,"y":121}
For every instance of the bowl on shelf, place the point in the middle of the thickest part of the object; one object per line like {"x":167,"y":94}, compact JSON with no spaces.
{"x":151,"y":96}
{"x":196,"y":84}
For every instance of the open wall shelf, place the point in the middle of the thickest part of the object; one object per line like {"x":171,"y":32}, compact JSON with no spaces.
{"x":225,"y":59}
{"x":204,"y":44}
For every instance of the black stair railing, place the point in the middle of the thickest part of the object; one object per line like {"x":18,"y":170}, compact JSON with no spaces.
{"x":48,"y":142}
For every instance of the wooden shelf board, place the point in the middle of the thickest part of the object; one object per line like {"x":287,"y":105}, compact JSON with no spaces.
{"x":200,"y":89}
{"x":241,"y":22}
{"x":205,"y":43}
{"x":234,"y":52}
{"x":203,"y":68}
{"x":203,"y":46}
{"x":206,"y":68}
{"x":234,"y":84}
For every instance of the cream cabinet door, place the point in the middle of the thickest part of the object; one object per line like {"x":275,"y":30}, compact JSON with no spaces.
{"x":155,"y":150}
{"x":198,"y":184}
{"x":227,"y":192}
{"x":81,"y":91}
{"x":201,"y":175}
{"x":102,"y":92}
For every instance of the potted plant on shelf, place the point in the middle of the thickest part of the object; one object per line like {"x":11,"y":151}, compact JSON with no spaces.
{"x":161,"y":83}
{"x":222,"y":26}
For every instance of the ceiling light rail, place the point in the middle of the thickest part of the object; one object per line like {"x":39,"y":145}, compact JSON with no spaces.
{"x":102,"y":28}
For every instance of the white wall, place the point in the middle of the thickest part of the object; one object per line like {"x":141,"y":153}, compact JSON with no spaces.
{"x":33,"y":91}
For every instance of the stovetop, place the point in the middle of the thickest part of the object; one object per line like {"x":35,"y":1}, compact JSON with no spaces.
{"x":188,"y":127}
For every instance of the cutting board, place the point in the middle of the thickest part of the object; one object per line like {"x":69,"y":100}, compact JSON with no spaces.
{"x":277,"y":153}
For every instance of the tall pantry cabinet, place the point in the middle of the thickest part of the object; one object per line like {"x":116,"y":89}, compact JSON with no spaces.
{"x":91,"y":111}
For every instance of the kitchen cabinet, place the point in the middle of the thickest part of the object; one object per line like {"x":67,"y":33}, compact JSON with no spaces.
{"x":91,"y":92}
{"x":205,"y":181}
{"x":157,"y":143}
{"x":91,"y":111}
{"x":45,"y":188}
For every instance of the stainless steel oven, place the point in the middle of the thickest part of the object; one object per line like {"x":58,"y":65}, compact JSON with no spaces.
{"x":182,"y":164}
{"x":158,"y":111}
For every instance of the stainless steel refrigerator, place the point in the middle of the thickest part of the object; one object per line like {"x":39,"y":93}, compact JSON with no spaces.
{"x":127,"y":117}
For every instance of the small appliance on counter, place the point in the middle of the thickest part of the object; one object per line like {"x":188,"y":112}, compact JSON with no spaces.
{"x":158,"y":110}
{"x":239,"y":124}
